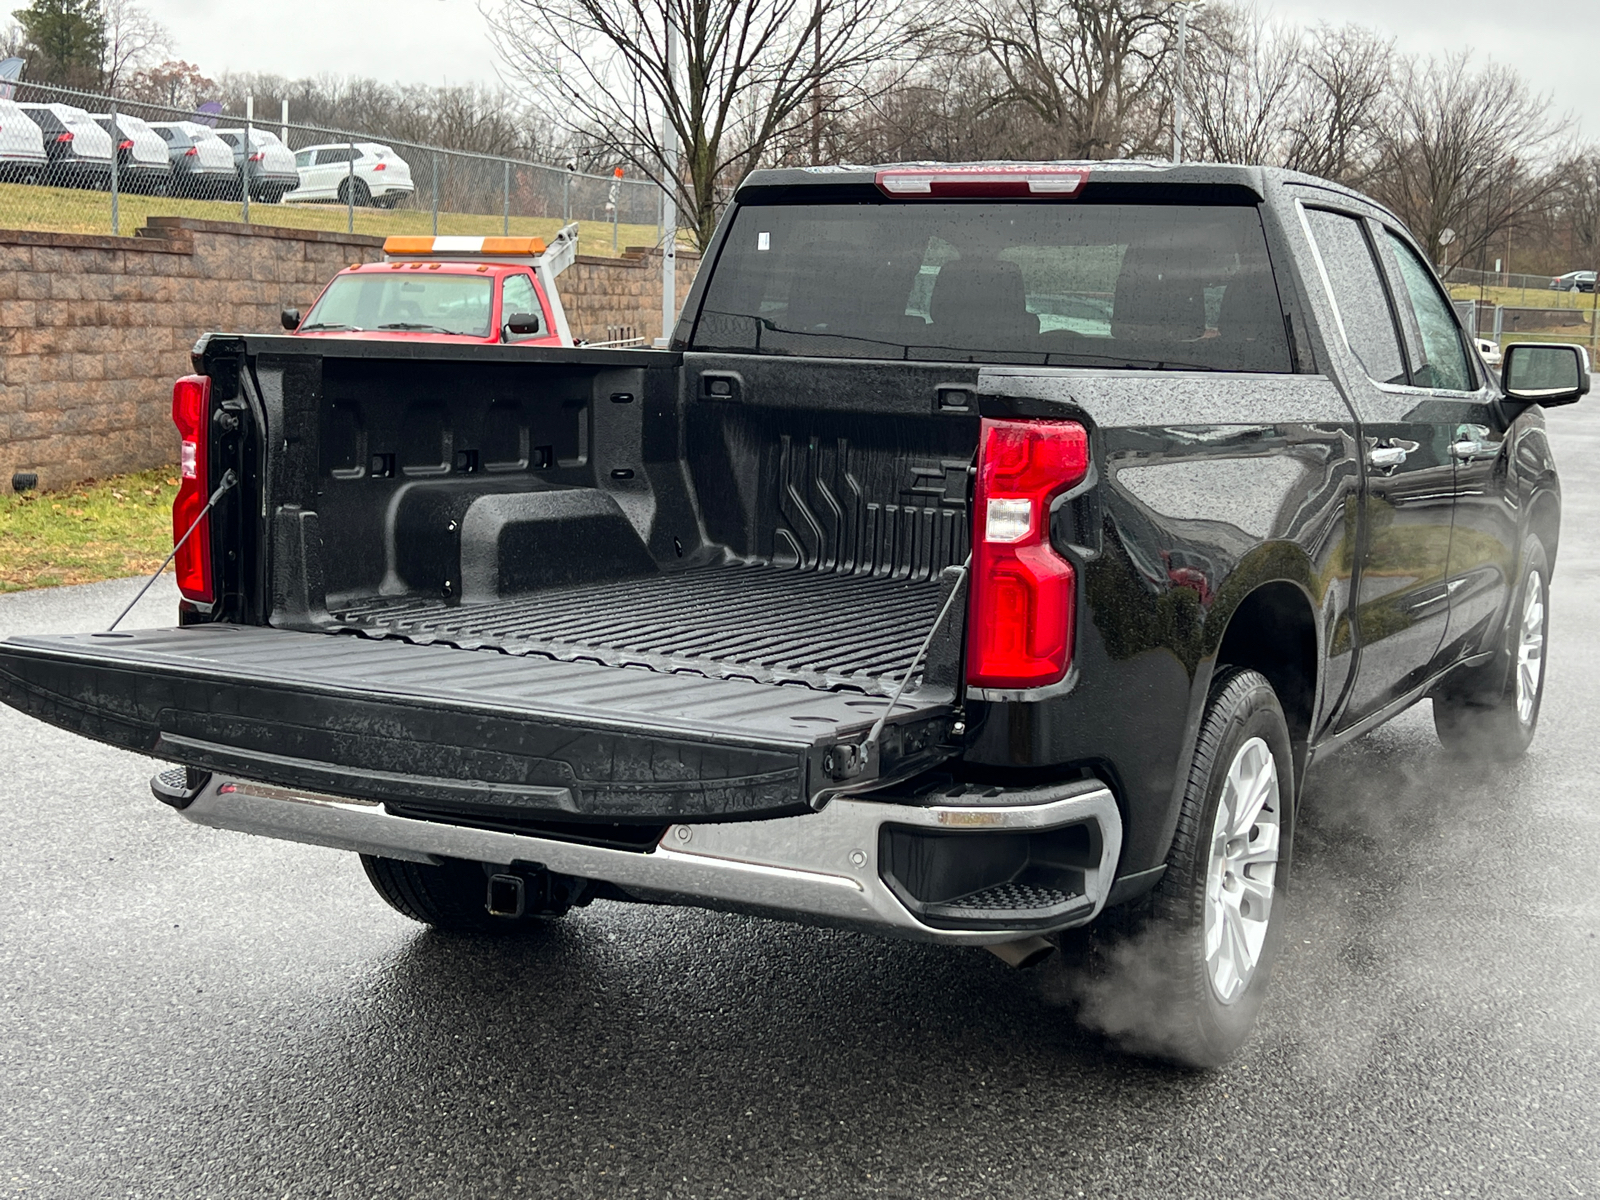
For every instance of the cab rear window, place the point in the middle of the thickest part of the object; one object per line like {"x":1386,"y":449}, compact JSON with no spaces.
{"x":1178,"y":287}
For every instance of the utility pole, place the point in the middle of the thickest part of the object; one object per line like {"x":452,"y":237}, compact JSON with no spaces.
{"x":244,"y":167}
{"x":669,"y":202}
{"x":816,"y":85}
{"x":1180,"y":93}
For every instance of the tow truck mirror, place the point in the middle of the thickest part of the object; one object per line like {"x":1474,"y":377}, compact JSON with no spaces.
{"x":290,"y":319}
{"x":1545,"y":374}
{"x":523,"y":324}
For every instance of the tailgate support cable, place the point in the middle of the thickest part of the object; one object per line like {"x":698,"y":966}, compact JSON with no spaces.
{"x":877,"y":726}
{"x":228,"y":480}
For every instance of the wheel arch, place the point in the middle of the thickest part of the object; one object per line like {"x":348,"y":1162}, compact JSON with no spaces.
{"x":1544,"y":517}
{"x":1273,"y":630}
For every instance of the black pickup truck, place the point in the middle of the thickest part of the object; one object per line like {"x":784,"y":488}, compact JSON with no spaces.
{"x":995,"y":545}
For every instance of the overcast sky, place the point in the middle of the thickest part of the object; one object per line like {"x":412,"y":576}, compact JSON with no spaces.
{"x":1555,"y":46}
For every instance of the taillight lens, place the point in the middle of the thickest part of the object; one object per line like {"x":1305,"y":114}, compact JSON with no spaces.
{"x":191,"y":413}
{"x":1022,"y":604}
{"x":63,"y":137}
{"x":125,"y":145}
{"x":380,"y":166}
{"x":191,"y":152}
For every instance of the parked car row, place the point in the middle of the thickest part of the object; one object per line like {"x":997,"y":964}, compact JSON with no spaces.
{"x":62,"y":145}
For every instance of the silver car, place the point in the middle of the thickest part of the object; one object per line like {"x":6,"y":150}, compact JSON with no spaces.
{"x":143,"y":164}
{"x":202,"y":163}
{"x":269,"y":165}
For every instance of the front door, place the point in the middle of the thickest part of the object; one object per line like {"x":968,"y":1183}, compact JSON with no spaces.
{"x":1402,"y":598}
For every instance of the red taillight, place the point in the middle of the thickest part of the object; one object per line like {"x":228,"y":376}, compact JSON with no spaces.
{"x":64,"y":137}
{"x":255,"y":158}
{"x":379,"y":166}
{"x":1022,"y":602}
{"x":191,"y":151}
{"x":124,"y":145}
{"x":1042,"y":179}
{"x":191,"y":413}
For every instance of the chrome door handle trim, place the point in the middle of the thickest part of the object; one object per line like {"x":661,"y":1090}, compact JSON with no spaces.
{"x":1389,"y":452}
{"x":1467,"y":451}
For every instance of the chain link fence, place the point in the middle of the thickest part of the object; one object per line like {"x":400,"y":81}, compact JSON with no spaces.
{"x":159,"y":160}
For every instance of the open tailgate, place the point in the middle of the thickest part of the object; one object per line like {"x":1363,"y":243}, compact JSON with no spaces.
{"x":392,"y":721}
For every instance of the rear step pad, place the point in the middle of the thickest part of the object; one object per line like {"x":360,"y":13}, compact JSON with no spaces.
{"x":389,"y":721}
{"x":763,"y":623}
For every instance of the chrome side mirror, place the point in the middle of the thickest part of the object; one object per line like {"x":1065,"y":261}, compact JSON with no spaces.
{"x":1544,"y":373}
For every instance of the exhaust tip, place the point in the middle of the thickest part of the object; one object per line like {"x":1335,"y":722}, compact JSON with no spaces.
{"x":1023,"y":953}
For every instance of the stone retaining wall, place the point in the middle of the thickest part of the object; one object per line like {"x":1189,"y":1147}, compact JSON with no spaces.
{"x":93,"y":329}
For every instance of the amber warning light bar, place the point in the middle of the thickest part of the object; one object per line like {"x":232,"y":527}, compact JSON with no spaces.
{"x":1027,"y":180}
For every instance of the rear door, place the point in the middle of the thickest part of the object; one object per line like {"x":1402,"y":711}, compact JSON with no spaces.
{"x":1483,"y":538}
{"x":1402,"y":601}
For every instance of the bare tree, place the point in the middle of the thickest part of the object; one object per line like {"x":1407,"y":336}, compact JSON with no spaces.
{"x":132,"y":40}
{"x":1461,"y":153}
{"x":1345,"y":92}
{"x":749,"y":73}
{"x":949,"y":108}
{"x":1091,"y":70}
{"x":174,"y":84}
{"x":1244,"y":77}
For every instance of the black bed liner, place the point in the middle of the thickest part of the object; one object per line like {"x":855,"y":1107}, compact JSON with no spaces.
{"x":762,"y":623}
{"x":390,"y":721}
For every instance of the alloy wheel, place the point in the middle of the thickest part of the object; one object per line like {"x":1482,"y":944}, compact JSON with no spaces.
{"x":1242,"y":869}
{"x":1530,"y":647}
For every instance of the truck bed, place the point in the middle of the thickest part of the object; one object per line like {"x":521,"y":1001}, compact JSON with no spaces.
{"x":756,"y":622}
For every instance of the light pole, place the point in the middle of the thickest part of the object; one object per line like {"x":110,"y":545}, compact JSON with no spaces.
{"x":1185,"y":11}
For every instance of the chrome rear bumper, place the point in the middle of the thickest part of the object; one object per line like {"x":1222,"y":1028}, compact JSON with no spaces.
{"x":821,"y":867}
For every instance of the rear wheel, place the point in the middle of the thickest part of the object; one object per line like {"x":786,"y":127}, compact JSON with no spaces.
{"x":1210,"y":931}
{"x":454,"y":896}
{"x":1492,"y":713}
{"x":362,"y":196}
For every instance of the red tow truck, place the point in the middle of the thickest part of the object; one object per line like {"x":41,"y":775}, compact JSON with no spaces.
{"x":465,"y":290}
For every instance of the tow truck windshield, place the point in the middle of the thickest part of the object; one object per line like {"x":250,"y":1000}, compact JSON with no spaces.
{"x":1169,"y":286}
{"x":458,"y":304}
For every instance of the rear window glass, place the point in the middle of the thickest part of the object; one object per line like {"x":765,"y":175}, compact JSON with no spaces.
{"x":416,"y":303}
{"x":1078,"y":284}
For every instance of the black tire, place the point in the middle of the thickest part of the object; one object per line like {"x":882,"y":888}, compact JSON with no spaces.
{"x":453,"y":895}
{"x":1195,"y":1003}
{"x":1491,"y":714}
{"x":363,"y":197}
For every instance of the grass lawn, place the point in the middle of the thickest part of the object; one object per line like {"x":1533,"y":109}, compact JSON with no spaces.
{"x":1523,"y":298}
{"x":72,"y":210}
{"x":102,"y":529}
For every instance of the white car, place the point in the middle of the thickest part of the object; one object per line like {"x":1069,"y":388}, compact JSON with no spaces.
{"x":22,"y":154}
{"x":370,"y":172}
{"x":1490,"y":349}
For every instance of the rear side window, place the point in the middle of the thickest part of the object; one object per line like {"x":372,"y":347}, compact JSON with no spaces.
{"x":1078,"y":283}
{"x":303,"y":159}
{"x":1358,"y":294}
{"x":1441,"y":360}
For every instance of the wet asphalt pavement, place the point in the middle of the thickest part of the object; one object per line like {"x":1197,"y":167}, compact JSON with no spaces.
{"x":188,"y":1012}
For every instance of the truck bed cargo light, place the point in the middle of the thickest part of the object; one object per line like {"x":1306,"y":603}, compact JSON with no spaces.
{"x":1023,"y":179}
